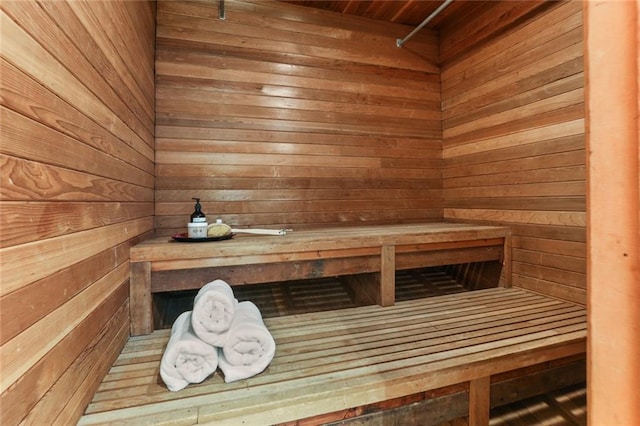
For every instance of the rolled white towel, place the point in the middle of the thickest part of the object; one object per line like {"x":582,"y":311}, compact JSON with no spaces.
{"x":187,"y":359}
{"x":213,"y":310}
{"x":250,"y":346}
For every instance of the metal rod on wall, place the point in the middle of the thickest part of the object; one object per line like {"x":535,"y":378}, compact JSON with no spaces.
{"x":221,"y":14}
{"x":400,"y":42}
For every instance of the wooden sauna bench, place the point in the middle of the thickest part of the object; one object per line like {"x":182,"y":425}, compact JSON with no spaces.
{"x":367,"y":255}
{"x":327,"y":362}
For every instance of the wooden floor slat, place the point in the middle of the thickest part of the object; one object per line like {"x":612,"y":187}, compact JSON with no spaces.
{"x":565,"y":407}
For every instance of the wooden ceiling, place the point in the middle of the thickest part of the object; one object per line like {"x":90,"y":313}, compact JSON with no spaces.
{"x":408,"y":12}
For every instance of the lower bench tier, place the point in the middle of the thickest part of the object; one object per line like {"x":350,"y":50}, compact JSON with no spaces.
{"x":334,"y":360}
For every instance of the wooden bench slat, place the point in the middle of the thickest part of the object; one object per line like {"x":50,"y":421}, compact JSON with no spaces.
{"x":350,"y":325}
{"x":508,"y":329}
{"x":293,"y":362}
{"x":152,"y":356}
{"x":405,"y":324}
{"x":328,"y":239}
{"x":409,"y":339}
{"x":365,"y":314}
{"x":364,"y":385}
{"x":277,"y":256}
{"x":413,"y":329}
{"x":469,"y":336}
{"x":430,"y":305}
{"x":346,"y":391}
{"x":366,"y":256}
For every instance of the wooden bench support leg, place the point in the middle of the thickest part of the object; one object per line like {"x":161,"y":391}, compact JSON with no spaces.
{"x":140,"y":303}
{"x":506,"y":262}
{"x":364,"y":289}
{"x":387,"y":276}
{"x":374,"y":288}
{"x":479,"y":401}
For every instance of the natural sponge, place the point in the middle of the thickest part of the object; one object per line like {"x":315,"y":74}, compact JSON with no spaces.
{"x":218,"y":230}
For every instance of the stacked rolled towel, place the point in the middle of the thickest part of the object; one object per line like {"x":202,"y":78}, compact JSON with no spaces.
{"x":187,"y":359}
{"x":249,"y":347}
{"x":213,"y":311}
{"x":218,"y":332}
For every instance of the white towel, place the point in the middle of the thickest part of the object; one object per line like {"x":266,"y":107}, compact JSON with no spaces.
{"x":186,"y":359}
{"x":250,"y":346}
{"x":213,"y":310}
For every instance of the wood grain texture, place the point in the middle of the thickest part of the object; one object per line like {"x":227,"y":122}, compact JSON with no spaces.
{"x":55,"y":376}
{"x":77,"y":153}
{"x":479,"y":396}
{"x":277,"y":116}
{"x":372,"y":254}
{"x":26,"y":96}
{"x":341,"y":359}
{"x":290,"y":116}
{"x":483,"y":23}
{"x":613,"y":259}
{"x":513,"y":138}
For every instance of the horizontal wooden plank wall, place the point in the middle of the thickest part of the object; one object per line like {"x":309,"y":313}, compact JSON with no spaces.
{"x":286,"y":115}
{"x":77,"y":166}
{"x":513,"y":136}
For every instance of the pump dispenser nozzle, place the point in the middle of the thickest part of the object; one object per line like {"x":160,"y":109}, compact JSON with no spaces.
{"x":198,"y":215}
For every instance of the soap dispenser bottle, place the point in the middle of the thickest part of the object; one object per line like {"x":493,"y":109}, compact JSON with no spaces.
{"x":198,"y":216}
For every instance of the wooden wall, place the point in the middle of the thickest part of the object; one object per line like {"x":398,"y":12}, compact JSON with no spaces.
{"x":513,"y":136}
{"x":77,"y":190}
{"x":278,"y":115}
{"x":286,"y":115}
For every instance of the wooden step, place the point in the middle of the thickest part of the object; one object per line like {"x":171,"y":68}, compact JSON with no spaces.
{"x":332,"y":360}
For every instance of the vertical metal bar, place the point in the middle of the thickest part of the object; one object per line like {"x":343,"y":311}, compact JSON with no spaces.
{"x":221,"y":14}
{"x":400,"y":42}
